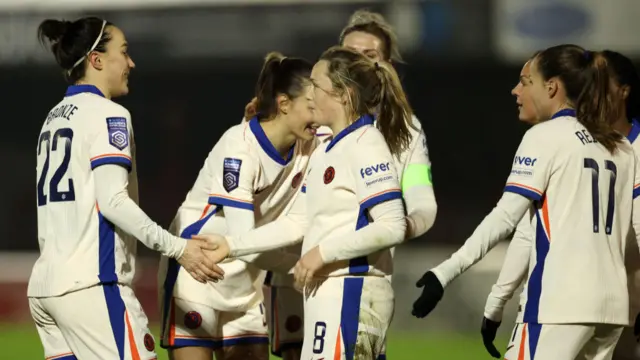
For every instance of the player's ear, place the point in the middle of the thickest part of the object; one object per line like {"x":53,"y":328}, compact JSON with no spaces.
{"x":284,"y":103}
{"x":624,"y":92}
{"x":552,"y":86}
{"x":96,"y":60}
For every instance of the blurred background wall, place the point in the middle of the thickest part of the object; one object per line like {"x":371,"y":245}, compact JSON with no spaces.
{"x":197,"y":61}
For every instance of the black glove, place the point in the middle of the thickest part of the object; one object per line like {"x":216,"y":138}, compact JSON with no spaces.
{"x":488,"y":331}
{"x":431,"y":294}
{"x":636,"y":328}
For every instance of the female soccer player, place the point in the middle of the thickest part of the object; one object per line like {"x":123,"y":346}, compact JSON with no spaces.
{"x":370,"y":34}
{"x":88,"y":219}
{"x":627,"y":84}
{"x":580,"y":175}
{"x":350,"y":211}
{"x":250,"y":177}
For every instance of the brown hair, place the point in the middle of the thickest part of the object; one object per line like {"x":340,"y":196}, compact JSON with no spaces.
{"x":279,"y":75}
{"x":375,"y":24}
{"x":586,"y":79}
{"x":372,"y":86}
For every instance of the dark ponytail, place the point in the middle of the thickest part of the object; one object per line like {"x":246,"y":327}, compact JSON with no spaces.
{"x":280,"y":75}
{"x":373,"y":88}
{"x":626,"y":75}
{"x":70,"y":42}
{"x":586,"y":79}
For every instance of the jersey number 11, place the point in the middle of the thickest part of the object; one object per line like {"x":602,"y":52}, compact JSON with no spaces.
{"x":595,"y":193}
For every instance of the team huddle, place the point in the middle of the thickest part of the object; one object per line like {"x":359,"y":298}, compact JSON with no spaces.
{"x":309,"y":194}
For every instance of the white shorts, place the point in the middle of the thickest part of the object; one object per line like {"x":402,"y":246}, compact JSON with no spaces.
{"x":344,"y":316}
{"x":286,"y":314}
{"x":628,"y":347}
{"x":193,"y":324}
{"x":100,"y":322}
{"x":563,"y":341}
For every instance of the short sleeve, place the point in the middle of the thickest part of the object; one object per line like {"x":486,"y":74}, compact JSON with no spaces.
{"x":374,"y":171}
{"x":233,"y":177}
{"x":531,"y":168}
{"x":112,"y":140}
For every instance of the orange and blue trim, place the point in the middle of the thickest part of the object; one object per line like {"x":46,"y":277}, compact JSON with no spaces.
{"x":116,"y":159}
{"x":223,"y":200}
{"x":524,"y":190}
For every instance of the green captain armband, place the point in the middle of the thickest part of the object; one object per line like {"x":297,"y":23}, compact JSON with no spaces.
{"x":416,"y":174}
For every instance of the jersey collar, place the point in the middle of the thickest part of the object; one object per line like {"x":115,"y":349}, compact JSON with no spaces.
{"x":83,"y":88}
{"x":564,"y":112}
{"x":364,"y":120}
{"x":266,"y":145}
{"x":635,"y":131}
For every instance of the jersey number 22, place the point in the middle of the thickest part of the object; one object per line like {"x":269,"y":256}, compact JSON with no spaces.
{"x":61,"y":141}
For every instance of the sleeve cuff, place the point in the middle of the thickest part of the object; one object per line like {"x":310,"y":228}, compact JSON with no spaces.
{"x":524,"y":190}
{"x":380,"y":197}
{"x":215,"y":199}
{"x":115,"y":159}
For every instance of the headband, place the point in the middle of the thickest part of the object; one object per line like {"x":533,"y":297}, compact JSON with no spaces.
{"x":93,"y":47}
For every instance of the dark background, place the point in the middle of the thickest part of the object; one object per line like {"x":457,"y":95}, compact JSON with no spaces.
{"x":196,"y":69}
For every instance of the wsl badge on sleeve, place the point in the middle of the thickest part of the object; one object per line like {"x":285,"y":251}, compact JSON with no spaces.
{"x":118,"y":132}
{"x":231,"y":173}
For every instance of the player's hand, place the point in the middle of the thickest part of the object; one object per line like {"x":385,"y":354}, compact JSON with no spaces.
{"x":431,"y":295}
{"x":636,"y":328}
{"x":197,"y":264}
{"x":218,"y":249}
{"x":306,"y":267}
{"x":488,"y":331}
{"x":251,"y":109}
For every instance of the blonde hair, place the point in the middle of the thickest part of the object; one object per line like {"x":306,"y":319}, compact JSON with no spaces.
{"x":372,"y":87}
{"x":375,"y":24}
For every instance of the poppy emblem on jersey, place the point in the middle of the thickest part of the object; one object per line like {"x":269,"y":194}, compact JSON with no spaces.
{"x":231,"y":173}
{"x":296,"y":180}
{"x":118,"y":132}
{"x":293,"y":323}
{"x":149,"y":343}
{"x":192,"y":320}
{"x":329,"y":174}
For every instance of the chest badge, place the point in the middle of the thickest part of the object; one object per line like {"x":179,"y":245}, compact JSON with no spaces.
{"x":329,"y":174}
{"x":296,"y":180}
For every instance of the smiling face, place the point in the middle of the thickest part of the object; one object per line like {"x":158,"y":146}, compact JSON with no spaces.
{"x":300,"y":117}
{"x":116,"y":62}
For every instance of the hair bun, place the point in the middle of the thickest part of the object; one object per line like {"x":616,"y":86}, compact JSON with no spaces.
{"x":54,"y":30}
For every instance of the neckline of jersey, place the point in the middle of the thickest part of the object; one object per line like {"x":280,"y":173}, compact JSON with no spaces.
{"x":362,"y":121}
{"x":564,"y":112}
{"x":635,"y":131}
{"x":83,"y":88}
{"x":266,"y":145}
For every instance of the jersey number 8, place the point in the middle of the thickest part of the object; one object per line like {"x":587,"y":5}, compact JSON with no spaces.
{"x":64,"y":135}
{"x":595,"y":193}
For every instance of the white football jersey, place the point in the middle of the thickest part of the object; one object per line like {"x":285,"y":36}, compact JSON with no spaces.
{"x":78,"y":246}
{"x":632,"y":253}
{"x":348,"y":174}
{"x":243,"y":171}
{"x":583,"y":199}
{"x":416,"y":153}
